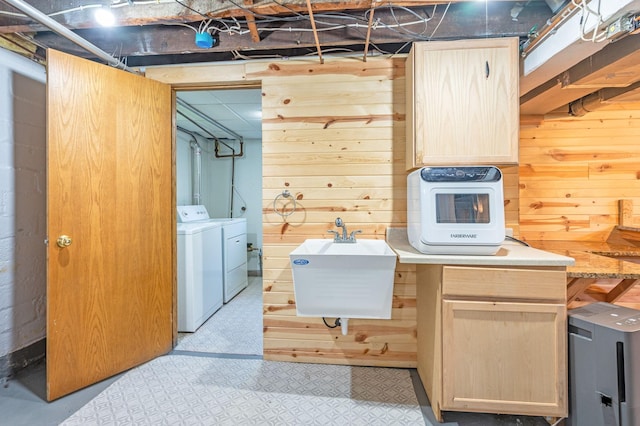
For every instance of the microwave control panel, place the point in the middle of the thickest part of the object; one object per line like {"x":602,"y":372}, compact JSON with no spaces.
{"x":461,"y":174}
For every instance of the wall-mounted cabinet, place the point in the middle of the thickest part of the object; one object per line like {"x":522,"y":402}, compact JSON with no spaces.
{"x":462,"y":102}
{"x":493,"y":339}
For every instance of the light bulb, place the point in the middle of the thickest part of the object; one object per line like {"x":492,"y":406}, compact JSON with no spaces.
{"x":104,"y":17}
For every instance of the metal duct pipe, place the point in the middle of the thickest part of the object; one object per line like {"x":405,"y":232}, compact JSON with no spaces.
{"x":196,"y":176}
{"x":582,"y":106}
{"x":209,"y":119}
{"x":196,"y":163}
{"x":56,"y":27}
{"x":602,"y":97}
{"x":215,"y":123}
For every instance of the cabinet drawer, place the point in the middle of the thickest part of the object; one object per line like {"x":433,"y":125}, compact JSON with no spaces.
{"x":504,"y":283}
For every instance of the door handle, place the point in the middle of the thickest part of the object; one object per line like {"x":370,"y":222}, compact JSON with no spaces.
{"x":64,"y":241}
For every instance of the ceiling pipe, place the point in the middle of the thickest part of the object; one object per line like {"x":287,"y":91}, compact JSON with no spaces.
{"x":586,"y":104}
{"x":209,"y":119}
{"x":596,"y":100}
{"x":216,"y":140}
{"x":65,"y":32}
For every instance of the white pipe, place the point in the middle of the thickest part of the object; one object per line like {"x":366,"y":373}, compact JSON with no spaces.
{"x":344,"y":325}
{"x":65,"y":32}
{"x":196,"y":174}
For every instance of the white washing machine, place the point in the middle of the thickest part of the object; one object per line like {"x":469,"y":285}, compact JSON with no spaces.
{"x":200,"y":269}
{"x":234,"y":247}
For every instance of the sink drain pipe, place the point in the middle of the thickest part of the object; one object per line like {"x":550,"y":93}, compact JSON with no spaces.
{"x":344,"y":325}
{"x":65,"y":32}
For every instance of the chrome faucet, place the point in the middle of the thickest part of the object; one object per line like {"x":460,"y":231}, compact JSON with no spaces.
{"x":341,"y":224}
{"x":346,"y":237}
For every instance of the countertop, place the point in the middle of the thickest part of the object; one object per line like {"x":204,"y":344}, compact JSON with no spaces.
{"x":594,"y":259}
{"x":510,"y":253}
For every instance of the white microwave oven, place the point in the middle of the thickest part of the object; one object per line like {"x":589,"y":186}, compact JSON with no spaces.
{"x":456,"y":210}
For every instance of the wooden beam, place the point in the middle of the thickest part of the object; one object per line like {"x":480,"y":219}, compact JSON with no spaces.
{"x":624,"y":236}
{"x":577,"y":286}
{"x":315,"y":31}
{"x":172,"y":12}
{"x":251,"y":22}
{"x":174,"y":40}
{"x":615,"y":63}
{"x":620,"y":289}
{"x":366,"y":43}
{"x":13,"y":43}
{"x":625,"y":212}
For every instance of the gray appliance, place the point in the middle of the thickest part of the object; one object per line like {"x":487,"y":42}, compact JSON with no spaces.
{"x":604,"y":366}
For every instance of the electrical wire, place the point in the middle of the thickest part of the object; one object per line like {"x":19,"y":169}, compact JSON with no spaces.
{"x":88,"y":6}
{"x":321,"y":19}
{"x":401,"y":26}
{"x":509,"y":237}
{"x":441,"y":18}
{"x":326,"y":22}
{"x":233,"y":26}
{"x":587,"y":12}
{"x":335,"y":324}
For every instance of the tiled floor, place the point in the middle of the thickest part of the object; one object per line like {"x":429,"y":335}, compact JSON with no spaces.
{"x":208,"y":381}
{"x":236,"y":328}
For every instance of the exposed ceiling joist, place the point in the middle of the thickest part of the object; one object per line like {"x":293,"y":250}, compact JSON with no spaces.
{"x":315,"y":31}
{"x":162,"y":32}
{"x":251,"y":21}
{"x":80,"y":13}
{"x":569,"y":40}
{"x":617,"y":65}
{"x":368,"y":39}
{"x":461,"y":21}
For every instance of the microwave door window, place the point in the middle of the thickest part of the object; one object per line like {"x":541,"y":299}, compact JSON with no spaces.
{"x":482,"y":208}
{"x":462,"y":208}
{"x":465,"y":208}
{"x":445,"y":208}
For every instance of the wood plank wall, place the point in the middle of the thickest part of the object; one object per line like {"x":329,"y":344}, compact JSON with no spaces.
{"x":574,"y":170}
{"x":333,"y":136}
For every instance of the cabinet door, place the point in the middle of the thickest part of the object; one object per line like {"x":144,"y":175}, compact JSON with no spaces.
{"x":464,"y":102}
{"x":504,"y":357}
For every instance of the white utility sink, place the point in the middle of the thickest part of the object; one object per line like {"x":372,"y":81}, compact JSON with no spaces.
{"x":343,"y":280}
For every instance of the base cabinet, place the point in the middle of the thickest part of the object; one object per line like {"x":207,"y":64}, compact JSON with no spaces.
{"x":493,"y":339}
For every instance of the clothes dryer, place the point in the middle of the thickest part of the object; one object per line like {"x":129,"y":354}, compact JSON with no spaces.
{"x":234,"y":257}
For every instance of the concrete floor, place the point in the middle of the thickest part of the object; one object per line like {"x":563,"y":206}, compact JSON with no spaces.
{"x":23,"y":399}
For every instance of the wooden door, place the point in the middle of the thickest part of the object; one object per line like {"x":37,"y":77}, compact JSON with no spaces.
{"x":504,"y":357}
{"x":110,"y":181}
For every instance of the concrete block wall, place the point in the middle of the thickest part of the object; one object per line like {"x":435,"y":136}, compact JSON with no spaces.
{"x":22,"y":210}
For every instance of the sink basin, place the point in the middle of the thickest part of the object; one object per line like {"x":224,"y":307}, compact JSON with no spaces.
{"x":343,"y":280}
